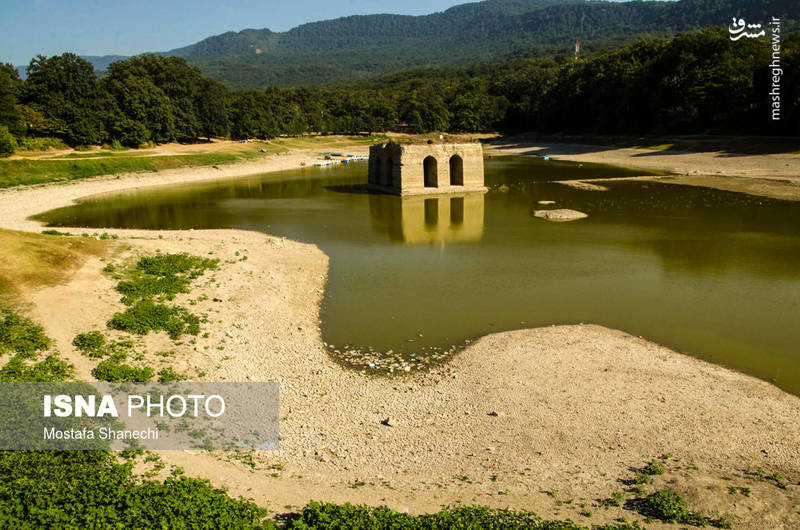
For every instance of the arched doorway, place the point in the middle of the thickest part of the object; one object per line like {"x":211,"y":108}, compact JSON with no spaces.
{"x":389,"y":168}
{"x":375,"y":178}
{"x":430,"y":170}
{"x":456,"y":171}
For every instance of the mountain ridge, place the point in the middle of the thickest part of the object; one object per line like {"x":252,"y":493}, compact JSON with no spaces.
{"x":359,"y":47}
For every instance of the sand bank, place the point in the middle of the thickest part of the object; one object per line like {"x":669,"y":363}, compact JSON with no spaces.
{"x":768,"y":175}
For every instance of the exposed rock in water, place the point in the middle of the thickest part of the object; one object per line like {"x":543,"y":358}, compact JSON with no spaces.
{"x":546,"y":202}
{"x":559,"y":215}
{"x":582,"y":185}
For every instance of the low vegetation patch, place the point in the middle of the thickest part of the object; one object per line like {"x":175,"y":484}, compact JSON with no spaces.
{"x":26,"y":340}
{"x":168,"y":375}
{"x":350,"y":517}
{"x":163,"y":276}
{"x":21,"y":336}
{"x":670,"y":507}
{"x":654,"y":467}
{"x":92,"y":489}
{"x":90,"y":343}
{"x":36,"y":171}
{"x":50,"y":369}
{"x":146,"y":316}
{"x":150,"y":282}
{"x":114,"y":370}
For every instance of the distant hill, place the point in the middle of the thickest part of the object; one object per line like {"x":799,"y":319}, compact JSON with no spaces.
{"x":361,"y":47}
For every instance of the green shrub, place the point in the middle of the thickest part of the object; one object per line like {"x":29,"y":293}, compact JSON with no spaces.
{"x":20,"y":335}
{"x":7,"y":142}
{"x":667,"y":506}
{"x":90,"y":343}
{"x":146,"y":316}
{"x":40,"y":144}
{"x":615,"y":500}
{"x":671,"y":508}
{"x":115,"y":371}
{"x":654,"y":467}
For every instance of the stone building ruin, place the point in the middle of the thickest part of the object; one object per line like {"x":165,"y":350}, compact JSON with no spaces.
{"x":426,"y":168}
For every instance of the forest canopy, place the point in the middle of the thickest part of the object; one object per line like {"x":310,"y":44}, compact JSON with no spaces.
{"x":698,"y":82}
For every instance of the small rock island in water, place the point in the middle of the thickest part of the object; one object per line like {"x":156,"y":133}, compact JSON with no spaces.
{"x":562,"y":214}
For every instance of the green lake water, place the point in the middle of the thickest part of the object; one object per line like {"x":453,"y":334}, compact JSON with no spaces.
{"x":709,"y":273}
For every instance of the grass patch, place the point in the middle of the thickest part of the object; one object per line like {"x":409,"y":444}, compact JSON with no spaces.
{"x":30,"y":168}
{"x":26,"y":171}
{"x":35,"y":260}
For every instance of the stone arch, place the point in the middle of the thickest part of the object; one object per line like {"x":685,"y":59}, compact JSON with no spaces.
{"x":431,"y":172}
{"x":456,"y":170}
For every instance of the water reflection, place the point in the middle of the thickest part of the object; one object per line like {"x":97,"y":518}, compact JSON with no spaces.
{"x":425,"y":219}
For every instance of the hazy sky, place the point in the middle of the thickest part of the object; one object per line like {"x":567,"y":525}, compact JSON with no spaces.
{"x":126,"y":27}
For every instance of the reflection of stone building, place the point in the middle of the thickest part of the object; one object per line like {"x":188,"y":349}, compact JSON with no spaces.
{"x":426,"y":168}
{"x":423,"y":219}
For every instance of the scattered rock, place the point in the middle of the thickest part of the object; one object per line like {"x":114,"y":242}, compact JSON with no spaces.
{"x":389,"y":422}
{"x":559,"y":215}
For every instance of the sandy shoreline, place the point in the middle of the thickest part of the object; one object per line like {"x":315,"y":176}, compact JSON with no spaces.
{"x":774,"y":175}
{"x":19,"y":203}
{"x":526,"y":419}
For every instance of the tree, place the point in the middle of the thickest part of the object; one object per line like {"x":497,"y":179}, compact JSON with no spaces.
{"x":64,"y":89}
{"x":212,"y":108}
{"x":9,"y":92}
{"x":7,"y":142}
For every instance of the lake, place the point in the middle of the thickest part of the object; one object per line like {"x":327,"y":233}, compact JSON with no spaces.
{"x":709,"y":273}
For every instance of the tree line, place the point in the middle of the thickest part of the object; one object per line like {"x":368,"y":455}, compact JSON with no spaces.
{"x":693,"y":83}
